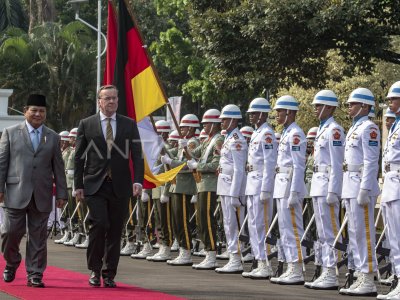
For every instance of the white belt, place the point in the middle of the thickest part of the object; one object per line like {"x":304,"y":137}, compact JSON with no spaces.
{"x":352,"y":168}
{"x":70,"y":172}
{"x":322,"y":169}
{"x":225,"y":171}
{"x":286,"y":170}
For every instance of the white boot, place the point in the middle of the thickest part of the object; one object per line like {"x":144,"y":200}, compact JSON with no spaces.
{"x":175,"y":246}
{"x":366,"y":287}
{"x":201,"y":253}
{"x":294,"y":276}
{"x":184,"y":258}
{"x":345,"y":291}
{"x":248,"y":258}
{"x":224,"y":255}
{"x":387,"y":281}
{"x":234,"y":265}
{"x":162,"y":255}
{"x":263,"y":271}
{"x":209,"y":263}
{"x":64,"y":239}
{"x":83,"y":245}
{"x":74,"y":240}
{"x":326,"y":281}
{"x":128,"y":249}
{"x":284,"y":274}
{"x":157,"y":245}
{"x":146,"y":251}
{"x":393,"y":295}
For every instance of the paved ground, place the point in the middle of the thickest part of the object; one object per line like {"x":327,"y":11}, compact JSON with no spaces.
{"x":186,"y":282}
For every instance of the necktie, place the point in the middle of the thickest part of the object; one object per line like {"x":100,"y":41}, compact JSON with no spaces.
{"x":35,"y":141}
{"x":109,"y":139}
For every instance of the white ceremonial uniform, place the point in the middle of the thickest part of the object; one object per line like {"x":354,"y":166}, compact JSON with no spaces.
{"x":361,"y":157}
{"x":327,"y":178}
{"x":390,"y":199}
{"x":291,"y":165}
{"x":261,"y":162}
{"x":230,"y":185}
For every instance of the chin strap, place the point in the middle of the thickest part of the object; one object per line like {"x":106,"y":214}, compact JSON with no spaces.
{"x":322,"y":110}
{"x":359,"y":111}
{"x":286,"y":117}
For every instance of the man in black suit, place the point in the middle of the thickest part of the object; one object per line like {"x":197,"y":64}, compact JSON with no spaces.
{"x":105,"y":143}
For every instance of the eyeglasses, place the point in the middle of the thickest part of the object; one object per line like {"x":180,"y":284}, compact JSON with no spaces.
{"x":107,"y":99}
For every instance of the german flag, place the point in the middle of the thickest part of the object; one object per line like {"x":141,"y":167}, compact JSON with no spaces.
{"x":134,"y":75}
{"x":112,"y":46}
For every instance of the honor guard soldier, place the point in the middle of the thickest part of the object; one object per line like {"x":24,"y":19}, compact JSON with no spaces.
{"x":390,"y":199}
{"x":361,"y":189}
{"x":326,"y":186}
{"x":289,"y":189}
{"x":390,"y":118}
{"x":206,"y":167}
{"x":247,"y":131}
{"x":231,"y":175}
{"x":183,"y":189}
{"x":203,"y":136}
{"x":371,"y":114}
{"x":261,"y":162}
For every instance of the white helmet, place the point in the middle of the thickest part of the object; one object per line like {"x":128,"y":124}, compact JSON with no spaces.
{"x":190,"y":120}
{"x":197,"y":133}
{"x":326,"y":97}
{"x":277,"y":136}
{"x":73,"y":132}
{"x":174,"y":136}
{"x":389,"y":113}
{"x":362,"y":95}
{"x":259,"y":105}
{"x":312,"y":133}
{"x":231,"y":111}
{"x":287,"y":102}
{"x":394,"y":91}
{"x":211,"y":116}
{"x":203,"y":134}
{"x":223,"y":132}
{"x":246,"y":131}
{"x":372,"y":112}
{"x":163,"y":126}
{"x":64,"y":135}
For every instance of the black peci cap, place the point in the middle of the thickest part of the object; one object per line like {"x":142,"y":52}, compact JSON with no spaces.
{"x":36,"y":100}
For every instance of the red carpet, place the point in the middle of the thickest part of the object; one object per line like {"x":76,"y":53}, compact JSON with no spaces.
{"x":64,"y":284}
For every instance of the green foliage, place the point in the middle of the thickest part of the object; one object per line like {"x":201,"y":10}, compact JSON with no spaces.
{"x":12,"y":14}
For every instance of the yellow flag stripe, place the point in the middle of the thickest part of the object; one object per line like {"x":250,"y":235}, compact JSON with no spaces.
{"x":162,"y":178}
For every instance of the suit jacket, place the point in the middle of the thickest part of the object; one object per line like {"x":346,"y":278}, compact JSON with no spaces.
{"x":24,"y":172}
{"x":91,"y":162}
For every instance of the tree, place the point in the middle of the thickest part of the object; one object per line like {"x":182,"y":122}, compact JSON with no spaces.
{"x":12,"y":14}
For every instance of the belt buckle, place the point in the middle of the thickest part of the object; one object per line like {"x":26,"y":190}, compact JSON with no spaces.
{"x":387,"y":167}
{"x":277,"y":170}
{"x":345,"y":168}
{"x":315,"y":168}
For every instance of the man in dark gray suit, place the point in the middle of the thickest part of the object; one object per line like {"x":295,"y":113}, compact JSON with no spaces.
{"x":105,"y":143}
{"x":30,"y":159}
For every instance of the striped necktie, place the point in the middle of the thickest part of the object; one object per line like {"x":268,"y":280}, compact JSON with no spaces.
{"x":109,"y":140}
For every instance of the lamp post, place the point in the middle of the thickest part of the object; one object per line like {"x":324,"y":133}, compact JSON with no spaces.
{"x":75,"y":4}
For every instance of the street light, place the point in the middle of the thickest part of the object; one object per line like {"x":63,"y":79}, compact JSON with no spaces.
{"x":75,"y":5}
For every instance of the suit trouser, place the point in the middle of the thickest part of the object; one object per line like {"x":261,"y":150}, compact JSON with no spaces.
{"x":392,"y":213}
{"x":164,"y":215}
{"x":361,"y":228}
{"x":327,"y":221}
{"x":233,"y":218}
{"x":36,"y":245}
{"x":180,"y":206}
{"x":291,"y":229}
{"x":107,"y":213}
{"x":207,"y":223}
{"x":259,"y":219}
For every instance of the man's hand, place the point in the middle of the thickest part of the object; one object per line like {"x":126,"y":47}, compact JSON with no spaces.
{"x":332,"y":199}
{"x":265,"y":196}
{"x":79,"y":194}
{"x":137,"y":189}
{"x":166,"y":160}
{"x":192,"y":164}
{"x":145,"y":197}
{"x":164,"y":199}
{"x":235,"y":202}
{"x":182,"y":143}
{"x":363,"y":197}
{"x":293,"y":199}
{"x":60,"y":203}
{"x":1,"y":197}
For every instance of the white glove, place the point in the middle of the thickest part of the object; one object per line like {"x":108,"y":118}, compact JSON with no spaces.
{"x":192,"y":164}
{"x":182,"y":143}
{"x":332,"y":199}
{"x":235,"y":202}
{"x":166,"y":160}
{"x":293,"y":199}
{"x":265,"y":196}
{"x":164,"y":199}
{"x":73,"y":193}
{"x":145,"y":197}
{"x":194,"y":199}
{"x":343,"y":203}
{"x":363,"y":197}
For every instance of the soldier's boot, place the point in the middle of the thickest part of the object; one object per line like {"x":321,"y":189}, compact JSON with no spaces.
{"x":366,"y":287}
{"x":234,"y":265}
{"x":175,"y":246}
{"x":184,"y":258}
{"x":163,"y":254}
{"x":129,"y":249}
{"x":201,"y":253}
{"x":317,"y":274}
{"x":327,"y":281}
{"x":276,"y":279}
{"x":146,"y":251}
{"x":209,"y":263}
{"x":64,"y":239}
{"x":248,"y":258}
{"x":224,"y":255}
{"x":157,"y":245}
{"x":263,"y":271}
{"x":394,"y":294}
{"x":294,"y":276}
{"x":350,"y":283}
{"x":385,"y":281}
{"x":74,"y":240}
{"x":83,"y":245}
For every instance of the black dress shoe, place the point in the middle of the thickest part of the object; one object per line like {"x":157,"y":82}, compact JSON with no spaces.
{"x":8,"y":274}
{"x":35,"y":282}
{"x":94,"y":279}
{"x":109,"y":283}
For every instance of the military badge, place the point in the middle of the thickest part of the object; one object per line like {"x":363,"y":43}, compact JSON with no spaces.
{"x":373,"y":134}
